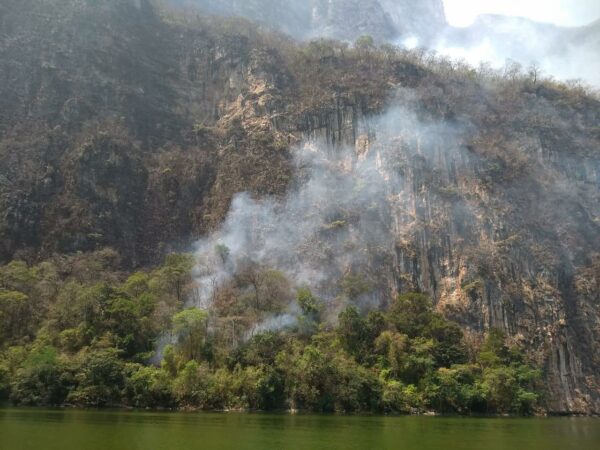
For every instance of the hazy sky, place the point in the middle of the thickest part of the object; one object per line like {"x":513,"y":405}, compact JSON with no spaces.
{"x":560,"y":12}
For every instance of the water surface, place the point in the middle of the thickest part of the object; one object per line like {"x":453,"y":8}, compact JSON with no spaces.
{"x":34,"y":429}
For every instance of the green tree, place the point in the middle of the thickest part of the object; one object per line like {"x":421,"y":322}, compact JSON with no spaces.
{"x":4,"y":380}
{"x":40,"y":380}
{"x":411,"y":313}
{"x":309,"y":304}
{"x":223,"y":252}
{"x":393,"y":350}
{"x":127,"y":318}
{"x":351,"y":329}
{"x":354,"y":286}
{"x":137,"y":284}
{"x":177,"y":271}
{"x":364,"y":43}
{"x":507,"y":382}
{"x":17,"y":276}
{"x":147,"y":386}
{"x":99,"y":378}
{"x":190,"y":326}
{"x":312,"y":310}
{"x":189,"y":386}
{"x":450,"y":345}
{"x":454,"y":390}
{"x":14,"y":315}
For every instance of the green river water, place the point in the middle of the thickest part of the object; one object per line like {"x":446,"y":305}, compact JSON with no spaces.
{"x":33,"y":429}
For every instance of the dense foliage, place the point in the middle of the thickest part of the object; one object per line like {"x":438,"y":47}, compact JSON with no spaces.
{"x":133,"y":128}
{"x":74,"y":332}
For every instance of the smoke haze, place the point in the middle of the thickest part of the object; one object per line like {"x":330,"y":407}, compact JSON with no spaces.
{"x":530,"y":33}
{"x":563,"y":53}
{"x":340,"y":220}
{"x":461,"y":13}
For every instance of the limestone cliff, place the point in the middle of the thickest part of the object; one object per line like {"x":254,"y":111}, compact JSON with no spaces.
{"x":128,"y":127}
{"x":568,"y":53}
{"x":339,"y":19}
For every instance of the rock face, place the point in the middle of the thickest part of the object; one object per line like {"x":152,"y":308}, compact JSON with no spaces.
{"x":339,"y":19}
{"x":498,"y":247}
{"x":103,"y":137}
{"x":124,"y":128}
{"x":348,"y":20}
{"x":568,"y":53}
{"x":505,"y":239}
{"x":424,"y":19}
{"x":293,"y":18}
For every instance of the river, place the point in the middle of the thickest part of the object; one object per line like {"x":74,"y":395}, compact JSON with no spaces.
{"x":35,"y":429}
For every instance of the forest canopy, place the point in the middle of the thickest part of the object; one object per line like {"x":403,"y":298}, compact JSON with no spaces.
{"x":76,"y":332}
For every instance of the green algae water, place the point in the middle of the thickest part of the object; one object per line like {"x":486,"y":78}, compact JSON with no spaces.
{"x":32,"y":429}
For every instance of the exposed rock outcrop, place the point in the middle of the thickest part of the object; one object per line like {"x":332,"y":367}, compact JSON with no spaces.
{"x":126,"y":128}
{"x":339,"y":19}
{"x":568,"y":53}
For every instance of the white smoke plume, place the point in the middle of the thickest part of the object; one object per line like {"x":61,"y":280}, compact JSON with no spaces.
{"x":559,"y":52}
{"x":338,"y":218}
{"x":563,"y":52}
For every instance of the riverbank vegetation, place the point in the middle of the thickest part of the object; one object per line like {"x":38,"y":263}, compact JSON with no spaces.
{"x":74,"y":331}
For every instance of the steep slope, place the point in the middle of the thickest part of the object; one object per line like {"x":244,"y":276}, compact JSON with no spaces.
{"x":485,"y":198}
{"x":338,"y":19}
{"x":127,"y":127}
{"x":115,"y":81}
{"x":423,"y":20}
{"x":567,"y":53}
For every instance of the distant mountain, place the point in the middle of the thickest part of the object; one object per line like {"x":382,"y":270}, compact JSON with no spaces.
{"x":567,"y":53}
{"x":339,"y":19}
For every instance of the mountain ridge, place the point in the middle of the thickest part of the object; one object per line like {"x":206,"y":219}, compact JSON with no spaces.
{"x":565,"y":52}
{"x":135,"y":131}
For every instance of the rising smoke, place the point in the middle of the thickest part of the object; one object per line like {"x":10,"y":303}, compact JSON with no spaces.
{"x":340,"y":220}
{"x":349,"y":207}
{"x":561,"y":52}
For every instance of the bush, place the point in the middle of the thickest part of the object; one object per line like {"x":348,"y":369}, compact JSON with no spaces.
{"x":99,"y":378}
{"x":191,"y":384}
{"x":411,"y":313}
{"x":147,"y":387}
{"x":4,"y":380}
{"x":41,"y":380}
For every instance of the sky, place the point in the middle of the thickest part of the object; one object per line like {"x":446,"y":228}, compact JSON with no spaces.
{"x":461,"y":13}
